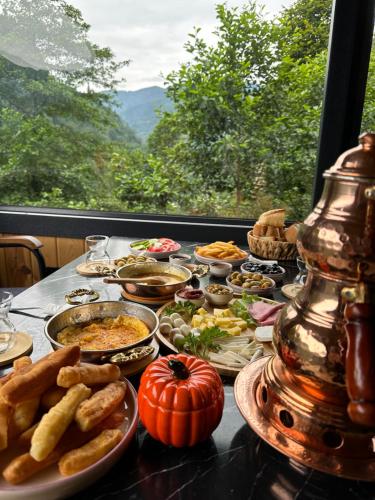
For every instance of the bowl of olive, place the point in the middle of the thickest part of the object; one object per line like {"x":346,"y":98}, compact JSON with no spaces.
{"x":218,"y":295}
{"x":251,"y":283}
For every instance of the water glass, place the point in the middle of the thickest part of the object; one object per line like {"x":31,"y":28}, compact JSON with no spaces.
{"x":96,"y":246}
{"x":7,"y":329}
{"x":302,"y":272}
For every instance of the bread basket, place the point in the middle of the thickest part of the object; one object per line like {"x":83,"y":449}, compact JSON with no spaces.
{"x":277,"y":250}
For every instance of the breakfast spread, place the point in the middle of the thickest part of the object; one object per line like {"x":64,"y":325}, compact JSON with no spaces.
{"x":105,"y":333}
{"x":78,"y":426}
{"x":221,"y":250}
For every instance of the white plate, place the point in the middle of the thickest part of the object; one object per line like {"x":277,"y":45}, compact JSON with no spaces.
{"x":155,"y":255}
{"x":207,"y":260}
{"x":274,"y":277}
{"x":258,"y":291}
{"x":50,"y":485}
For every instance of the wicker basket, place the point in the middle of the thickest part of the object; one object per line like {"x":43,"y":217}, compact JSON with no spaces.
{"x":278,"y":250}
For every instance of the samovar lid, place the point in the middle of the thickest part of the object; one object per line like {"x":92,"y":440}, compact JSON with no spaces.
{"x":358,"y":161}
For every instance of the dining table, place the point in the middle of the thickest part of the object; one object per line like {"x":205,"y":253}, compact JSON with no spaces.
{"x":233,"y":464}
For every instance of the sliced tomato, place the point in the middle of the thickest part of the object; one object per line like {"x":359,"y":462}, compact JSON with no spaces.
{"x":164,"y":245}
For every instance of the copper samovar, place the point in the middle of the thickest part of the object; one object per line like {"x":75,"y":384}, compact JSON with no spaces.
{"x":315,"y":400}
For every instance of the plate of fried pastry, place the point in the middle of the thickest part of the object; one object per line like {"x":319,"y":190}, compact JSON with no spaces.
{"x":63,"y":424}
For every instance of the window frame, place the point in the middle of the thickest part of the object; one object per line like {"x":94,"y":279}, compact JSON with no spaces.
{"x":349,"y":52}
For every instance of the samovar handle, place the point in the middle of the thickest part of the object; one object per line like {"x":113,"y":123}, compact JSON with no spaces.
{"x":359,"y":326}
{"x":360,"y":361}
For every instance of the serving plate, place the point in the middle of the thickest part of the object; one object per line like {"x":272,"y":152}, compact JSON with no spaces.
{"x":208,"y":260}
{"x":98,"y":310}
{"x":225,"y":370}
{"x":155,"y":255}
{"x":50,"y":485}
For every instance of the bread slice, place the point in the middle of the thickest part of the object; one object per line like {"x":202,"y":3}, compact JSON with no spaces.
{"x":259,"y":230}
{"x":290,"y":233}
{"x":273,"y":218}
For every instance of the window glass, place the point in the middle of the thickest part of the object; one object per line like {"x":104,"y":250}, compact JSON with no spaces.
{"x":368,"y":117}
{"x":170,"y":107}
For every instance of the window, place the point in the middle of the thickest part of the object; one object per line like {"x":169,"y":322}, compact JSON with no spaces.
{"x":237,"y":128}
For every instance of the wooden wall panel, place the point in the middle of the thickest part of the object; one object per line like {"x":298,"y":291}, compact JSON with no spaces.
{"x":69,"y":249}
{"x":3,"y":268}
{"x":19,"y":267}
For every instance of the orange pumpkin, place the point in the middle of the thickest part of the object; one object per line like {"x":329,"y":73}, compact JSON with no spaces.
{"x":180,"y":400}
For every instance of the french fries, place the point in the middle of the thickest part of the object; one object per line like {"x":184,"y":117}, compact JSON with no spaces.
{"x":43,"y":425}
{"x":221,"y":250}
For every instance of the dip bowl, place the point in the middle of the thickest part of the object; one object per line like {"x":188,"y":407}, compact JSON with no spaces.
{"x":99,"y":310}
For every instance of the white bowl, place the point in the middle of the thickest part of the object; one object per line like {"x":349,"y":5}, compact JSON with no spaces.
{"x":275,"y":277}
{"x":221,"y":269}
{"x":216,"y":299}
{"x":197,"y":302}
{"x":209,"y":260}
{"x":179,"y":258}
{"x":256,"y":291}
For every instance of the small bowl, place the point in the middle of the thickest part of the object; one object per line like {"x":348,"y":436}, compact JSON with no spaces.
{"x":221,"y":269}
{"x":275,"y":277}
{"x":257,"y":291}
{"x":179,"y":258}
{"x":197,"y":302}
{"x":219,"y":300}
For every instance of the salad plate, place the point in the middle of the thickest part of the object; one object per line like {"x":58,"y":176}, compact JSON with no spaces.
{"x":158,"y":248}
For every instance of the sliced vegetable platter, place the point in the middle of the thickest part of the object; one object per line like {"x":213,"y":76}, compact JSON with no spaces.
{"x":223,"y":336}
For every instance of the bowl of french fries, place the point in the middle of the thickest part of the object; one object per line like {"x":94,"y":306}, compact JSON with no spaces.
{"x":63,"y":424}
{"x":221,"y":251}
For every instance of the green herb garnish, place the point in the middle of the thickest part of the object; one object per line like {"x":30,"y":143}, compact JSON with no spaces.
{"x":186,"y":309}
{"x":239,"y":308}
{"x":200,"y":345}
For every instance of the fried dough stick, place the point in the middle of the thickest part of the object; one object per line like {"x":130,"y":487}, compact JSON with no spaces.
{"x":81,"y":458}
{"x":100,"y":405}
{"x":39,"y":376}
{"x":24,"y":466}
{"x":88,"y":374}
{"x":56,"y":421}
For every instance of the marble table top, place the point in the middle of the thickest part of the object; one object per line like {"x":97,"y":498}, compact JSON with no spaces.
{"x":234,"y":464}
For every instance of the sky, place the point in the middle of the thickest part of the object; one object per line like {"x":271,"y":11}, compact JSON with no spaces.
{"x":152,"y":33}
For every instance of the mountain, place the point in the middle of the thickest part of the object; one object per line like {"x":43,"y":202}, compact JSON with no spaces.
{"x":138,"y":108}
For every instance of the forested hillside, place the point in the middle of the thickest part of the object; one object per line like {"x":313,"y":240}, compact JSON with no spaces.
{"x":140,"y":109}
{"x":240,"y":135}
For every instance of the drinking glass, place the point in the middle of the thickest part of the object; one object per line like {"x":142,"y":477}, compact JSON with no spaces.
{"x":7,"y":329}
{"x":302,"y":272}
{"x":96,"y":246}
